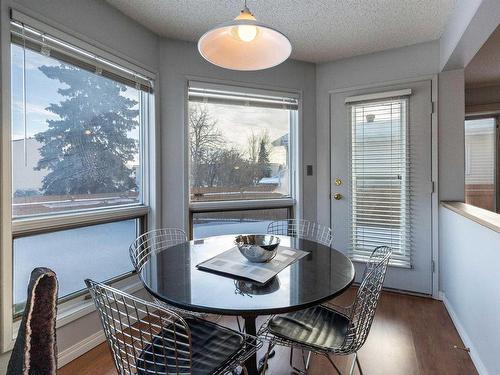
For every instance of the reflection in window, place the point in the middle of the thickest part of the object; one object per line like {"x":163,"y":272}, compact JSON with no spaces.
{"x":99,"y":252}
{"x":206,"y":224}
{"x":75,"y":137}
{"x":239,"y":145}
{"x":480,"y":163}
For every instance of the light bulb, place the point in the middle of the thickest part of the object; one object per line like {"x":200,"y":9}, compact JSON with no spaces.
{"x":247,"y":33}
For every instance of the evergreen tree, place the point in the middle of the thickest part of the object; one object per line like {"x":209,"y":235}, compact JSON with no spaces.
{"x":87,"y":149}
{"x":263,"y":161}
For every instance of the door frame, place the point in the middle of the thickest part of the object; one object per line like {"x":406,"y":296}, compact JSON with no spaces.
{"x":434,"y":162}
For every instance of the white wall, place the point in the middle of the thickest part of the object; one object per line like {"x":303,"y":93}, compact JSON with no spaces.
{"x":377,"y":68}
{"x":451,"y":136}
{"x":180,"y":60}
{"x":468,"y":27}
{"x":456,"y":26}
{"x":470,"y":254}
{"x":97,"y":23}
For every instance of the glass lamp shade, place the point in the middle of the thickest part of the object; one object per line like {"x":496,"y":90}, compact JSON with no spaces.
{"x":244,"y":44}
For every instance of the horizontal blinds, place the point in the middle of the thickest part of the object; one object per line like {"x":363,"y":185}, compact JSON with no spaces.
{"x":377,"y":96}
{"x":480,"y":138}
{"x":380,"y":190}
{"x":46,"y":44}
{"x":229,"y":95}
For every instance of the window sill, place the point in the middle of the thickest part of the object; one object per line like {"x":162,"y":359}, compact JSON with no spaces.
{"x":69,"y":220}
{"x":481,"y":216}
{"x":241,"y":205}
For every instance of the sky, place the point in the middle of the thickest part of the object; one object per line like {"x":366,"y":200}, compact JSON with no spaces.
{"x":41,"y":91}
{"x":238,"y":122}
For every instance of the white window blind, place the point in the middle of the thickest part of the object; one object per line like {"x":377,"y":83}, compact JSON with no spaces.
{"x":480,"y":137}
{"x":27,"y":35}
{"x":380,"y":203}
{"x":232,"y":95}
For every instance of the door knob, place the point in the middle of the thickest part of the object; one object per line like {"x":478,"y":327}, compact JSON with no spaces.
{"x":337,"y":196}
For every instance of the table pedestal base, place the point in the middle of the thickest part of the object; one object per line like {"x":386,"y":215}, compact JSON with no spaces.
{"x":251,"y":329}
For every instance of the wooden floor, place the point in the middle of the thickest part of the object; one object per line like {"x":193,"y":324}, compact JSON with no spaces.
{"x":410,"y":335}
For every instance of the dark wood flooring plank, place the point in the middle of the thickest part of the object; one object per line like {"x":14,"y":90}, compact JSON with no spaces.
{"x":410,"y":335}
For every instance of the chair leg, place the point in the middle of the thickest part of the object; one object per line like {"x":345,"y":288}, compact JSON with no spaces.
{"x":359,"y":365}
{"x":305,"y":361}
{"x":333,"y":364}
{"x":351,"y":371}
{"x":266,"y":359}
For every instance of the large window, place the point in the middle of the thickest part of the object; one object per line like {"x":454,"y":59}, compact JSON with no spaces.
{"x":75,"y":137}
{"x":79,"y":187}
{"x":380,"y":178}
{"x":480,"y":162}
{"x":98,"y":252}
{"x":241,"y":148}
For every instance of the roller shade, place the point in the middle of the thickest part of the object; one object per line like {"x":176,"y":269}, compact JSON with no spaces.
{"x":380,"y":175}
{"x":234,"y":95}
{"x":39,"y":41}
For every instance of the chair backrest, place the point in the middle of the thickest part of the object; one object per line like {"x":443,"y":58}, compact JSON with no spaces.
{"x":367,"y":297}
{"x":144,"y":338}
{"x":302,"y":229}
{"x":150,"y":242}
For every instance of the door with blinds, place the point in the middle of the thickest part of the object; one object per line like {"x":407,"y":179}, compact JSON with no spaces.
{"x":381,"y":169}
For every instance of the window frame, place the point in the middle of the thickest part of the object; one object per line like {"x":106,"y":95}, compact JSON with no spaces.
{"x":495,"y":115}
{"x":296,"y":174}
{"x":147,"y":212}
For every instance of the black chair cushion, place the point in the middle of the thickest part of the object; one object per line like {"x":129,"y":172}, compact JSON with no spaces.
{"x":212,"y":348}
{"x":318,"y":327}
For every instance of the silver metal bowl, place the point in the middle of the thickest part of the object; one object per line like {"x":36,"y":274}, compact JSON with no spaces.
{"x":258,"y":248}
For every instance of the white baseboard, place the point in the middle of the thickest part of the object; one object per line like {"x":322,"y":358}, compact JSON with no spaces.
{"x":80,"y":348}
{"x":474,"y":355}
{"x":440,"y":295}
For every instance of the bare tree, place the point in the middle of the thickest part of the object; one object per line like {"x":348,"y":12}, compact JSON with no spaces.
{"x":204,"y":139}
{"x":253,"y":147}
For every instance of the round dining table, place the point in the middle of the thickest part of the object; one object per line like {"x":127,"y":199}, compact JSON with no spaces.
{"x":172,"y":276}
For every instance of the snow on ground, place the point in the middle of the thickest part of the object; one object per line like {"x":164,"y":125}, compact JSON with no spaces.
{"x":220,"y":228}
{"x":98,"y":252}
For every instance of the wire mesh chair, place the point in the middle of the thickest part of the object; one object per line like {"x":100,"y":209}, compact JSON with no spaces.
{"x":149,"y":339}
{"x":329,"y":331}
{"x":304,"y":229}
{"x":151,"y":242}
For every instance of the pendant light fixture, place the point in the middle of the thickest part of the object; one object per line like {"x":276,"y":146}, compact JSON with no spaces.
{"x":244,"y":44}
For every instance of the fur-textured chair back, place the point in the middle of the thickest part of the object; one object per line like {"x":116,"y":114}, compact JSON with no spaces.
{"x":35,"y":350}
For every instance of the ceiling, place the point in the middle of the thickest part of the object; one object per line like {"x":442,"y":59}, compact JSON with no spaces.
{"x":484,"y":68}
{"x":320,"y":30}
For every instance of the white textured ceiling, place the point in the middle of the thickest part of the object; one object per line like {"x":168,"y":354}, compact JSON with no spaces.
{"x":484,"y":68}
{"x":320,"y":30}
